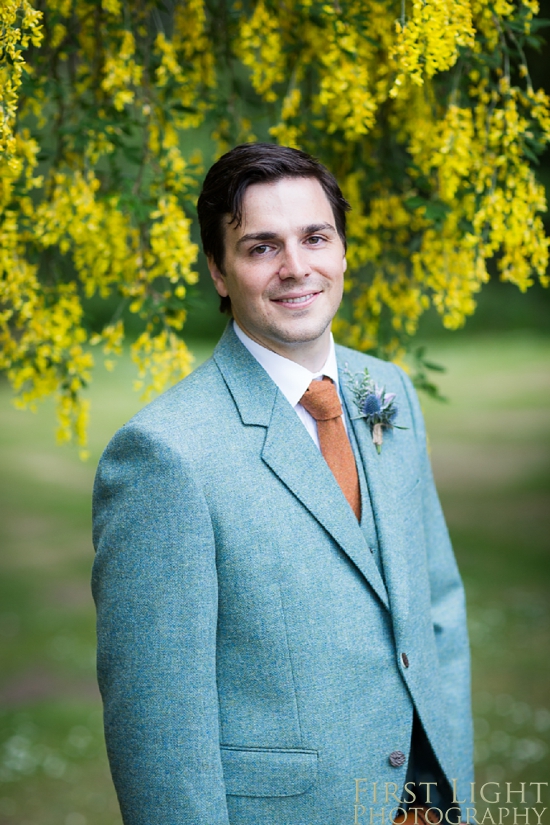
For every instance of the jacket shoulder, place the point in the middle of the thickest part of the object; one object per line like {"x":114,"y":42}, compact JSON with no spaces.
{"x":192,"y":397}
{"x":182,"y":416}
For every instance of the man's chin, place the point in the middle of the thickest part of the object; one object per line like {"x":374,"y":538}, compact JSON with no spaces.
{"x":274,"y":333}
{"x":295,"y":337}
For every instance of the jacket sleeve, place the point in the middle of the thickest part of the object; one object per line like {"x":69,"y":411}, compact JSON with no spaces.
{"x":155,"y":587}
{"x":448,"y":607}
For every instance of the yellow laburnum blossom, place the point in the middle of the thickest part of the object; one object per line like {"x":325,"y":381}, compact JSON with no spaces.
{"x":121,"y":72}
{"x":161,"y":359}
{"x":112,"y":338}
{"x":172,"y":254}
{"x":187,"y":61}
{"x":41,"y":337}
{"x":260,"y":49}
{"x":113,"y":7}
{"x":103,"y":244}
{"x":169,"y":64}
{"x":20,"y":24}
{"x":345,"y":89}
{"x":100,"y":123}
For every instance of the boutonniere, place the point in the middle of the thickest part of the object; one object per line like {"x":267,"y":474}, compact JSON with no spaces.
{"x":376,"y":406}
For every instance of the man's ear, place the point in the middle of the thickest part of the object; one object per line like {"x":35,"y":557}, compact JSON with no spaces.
{"x":345,"y":264}
{"x":218,"y":277}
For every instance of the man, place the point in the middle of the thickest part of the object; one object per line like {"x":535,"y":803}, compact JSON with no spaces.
{"x":281,"y":622}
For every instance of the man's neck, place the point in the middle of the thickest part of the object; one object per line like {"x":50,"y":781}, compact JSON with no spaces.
{"x":309,"y":354}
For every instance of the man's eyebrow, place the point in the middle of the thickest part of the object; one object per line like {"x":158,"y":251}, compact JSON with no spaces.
{"x":270,"y":236}
{"x":316,"y":227}
{"x":257,"y":236}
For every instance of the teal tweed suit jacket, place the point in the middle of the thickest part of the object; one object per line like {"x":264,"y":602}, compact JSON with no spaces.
{"x":249,"y":645}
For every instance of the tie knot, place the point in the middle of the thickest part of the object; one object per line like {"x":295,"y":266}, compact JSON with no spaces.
{"x":321,"y":400}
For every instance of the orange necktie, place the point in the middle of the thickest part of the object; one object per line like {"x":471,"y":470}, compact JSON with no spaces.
{"x":322,"y":403}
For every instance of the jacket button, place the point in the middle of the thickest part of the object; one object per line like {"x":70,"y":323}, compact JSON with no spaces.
{"x":397,"y":759}
{"x":405,"y":659}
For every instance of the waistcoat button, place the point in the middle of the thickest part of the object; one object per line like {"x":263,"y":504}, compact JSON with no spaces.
{"x":397,"y":759}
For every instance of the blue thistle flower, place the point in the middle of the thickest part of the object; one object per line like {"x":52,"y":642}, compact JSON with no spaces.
{"x":371,"y":405}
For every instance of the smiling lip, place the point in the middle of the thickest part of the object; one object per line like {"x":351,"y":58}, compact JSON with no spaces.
{"x":296,"y":300}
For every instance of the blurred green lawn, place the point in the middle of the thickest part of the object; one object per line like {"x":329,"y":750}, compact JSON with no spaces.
{"x":490,"y":449}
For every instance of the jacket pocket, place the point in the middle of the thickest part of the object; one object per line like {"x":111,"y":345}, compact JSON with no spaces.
{"x":410,"y":490}
{"x":268,"y":771}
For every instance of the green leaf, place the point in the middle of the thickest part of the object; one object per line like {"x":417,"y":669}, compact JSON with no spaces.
{"x":436,"y":367}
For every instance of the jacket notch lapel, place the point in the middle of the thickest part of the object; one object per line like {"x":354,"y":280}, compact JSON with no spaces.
{"x":309,"y":478}
{"x":252,"y":389}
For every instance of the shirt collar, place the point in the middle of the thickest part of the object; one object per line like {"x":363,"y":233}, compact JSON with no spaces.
{"x":291,"y":378}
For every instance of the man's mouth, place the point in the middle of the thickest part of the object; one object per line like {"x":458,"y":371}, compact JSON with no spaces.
{"x":295,"y":299}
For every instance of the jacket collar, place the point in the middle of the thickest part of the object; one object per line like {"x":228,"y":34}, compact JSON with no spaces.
{"x":252,"y":389}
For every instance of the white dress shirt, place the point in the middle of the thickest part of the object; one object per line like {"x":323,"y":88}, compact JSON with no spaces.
{"x":291,"y":378}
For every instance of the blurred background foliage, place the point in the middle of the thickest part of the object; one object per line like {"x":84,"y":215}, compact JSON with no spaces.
{"x":427,"y":112}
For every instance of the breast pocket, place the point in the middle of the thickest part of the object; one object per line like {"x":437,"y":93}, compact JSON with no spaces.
{"x":410,"y":490}
{"x":409,"y":502}
{"x":268,"y":771}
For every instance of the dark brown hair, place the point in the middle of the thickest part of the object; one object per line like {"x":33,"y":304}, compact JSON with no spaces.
{"x":228,"y":179}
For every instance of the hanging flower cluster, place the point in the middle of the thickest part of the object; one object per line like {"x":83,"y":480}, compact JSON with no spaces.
{"x":110,"y":110}
{"x":94,"y":191}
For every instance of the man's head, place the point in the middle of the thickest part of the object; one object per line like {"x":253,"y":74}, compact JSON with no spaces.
{"x":229,"y":178}
{"x":273,"y":229}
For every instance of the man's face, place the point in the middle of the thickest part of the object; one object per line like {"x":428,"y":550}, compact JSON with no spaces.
{"x":284,"y":268}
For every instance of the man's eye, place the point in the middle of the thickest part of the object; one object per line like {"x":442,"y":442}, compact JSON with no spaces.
{"x":261,"y":249}
{"x":313,"y":240}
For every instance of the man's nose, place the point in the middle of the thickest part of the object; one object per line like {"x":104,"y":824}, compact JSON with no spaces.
{"x":294,"y":263}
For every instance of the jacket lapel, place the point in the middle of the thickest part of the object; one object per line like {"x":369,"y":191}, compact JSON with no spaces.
{"x":384,"y":474}
{"x":291,"y":454}
{"x":308,"y":477}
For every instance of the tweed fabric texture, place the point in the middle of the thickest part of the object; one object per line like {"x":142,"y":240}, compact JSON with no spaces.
{"x":249,"y":648}
{"x":368,"y":524}
{"x":322,"y":402}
